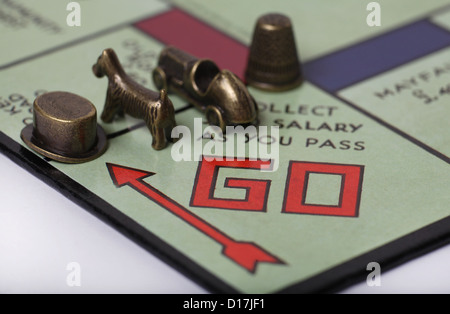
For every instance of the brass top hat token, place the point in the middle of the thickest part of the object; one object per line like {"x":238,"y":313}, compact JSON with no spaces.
{"x":273,"y":63}
{"x":65,"y":128}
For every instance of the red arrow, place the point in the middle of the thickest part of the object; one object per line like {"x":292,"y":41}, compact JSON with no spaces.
{"x":246,"y":254}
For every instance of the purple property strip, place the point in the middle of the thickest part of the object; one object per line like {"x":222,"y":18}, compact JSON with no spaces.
{"x":349,"y":66}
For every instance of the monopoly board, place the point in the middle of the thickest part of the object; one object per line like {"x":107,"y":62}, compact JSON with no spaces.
{"x":362,"y":170}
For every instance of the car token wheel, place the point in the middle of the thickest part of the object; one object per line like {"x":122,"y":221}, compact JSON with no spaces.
{"x":215,"y":117}
{"x":160,"y":78}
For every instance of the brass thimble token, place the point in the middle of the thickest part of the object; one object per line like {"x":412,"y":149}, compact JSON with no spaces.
{"x":273,"y":63}
{"x":65,"y":128}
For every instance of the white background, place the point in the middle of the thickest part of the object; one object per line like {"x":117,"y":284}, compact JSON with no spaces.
{"x":41,"y":232}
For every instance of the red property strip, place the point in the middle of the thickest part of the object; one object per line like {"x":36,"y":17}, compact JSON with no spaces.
{"x":179,"y":29}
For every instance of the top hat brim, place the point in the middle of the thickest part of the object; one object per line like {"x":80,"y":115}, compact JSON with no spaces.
{"x":36,"y":145}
